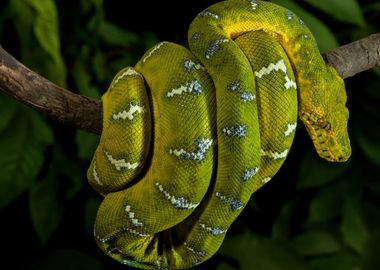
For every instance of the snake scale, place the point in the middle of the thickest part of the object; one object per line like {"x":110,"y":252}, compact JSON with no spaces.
{"x":188,"y":136}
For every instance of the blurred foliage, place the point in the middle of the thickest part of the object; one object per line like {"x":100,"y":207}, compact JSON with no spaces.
{"x":313,"y":215}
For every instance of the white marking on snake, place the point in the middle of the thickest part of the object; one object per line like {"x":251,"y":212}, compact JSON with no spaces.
{"x":289,"y":130}
{"x":244,"y":96}
{"x":196,"y":262}
{"x":191,"y":65}
{"x":125,"y":229}
{"x":237,"y":131}
{"x":289,"y":83}
{"x":274,"y":155}
{"x":152,"y":51}
{"x":197,"y":36}
{"x":249,"y":173}
{"x":192,"y":87}
{"x":127,"y":262}
{"x":128,"y":72}
{"x":266,"y":180}
{"x":131,"y":216}
{"x":280,"y":65}
{"x":214,"y":47}
{"x":177,"y":202}
{"x":158,"y":264}
{"x":253,"y":4}
{"x":289,"y":15}
{"x":213,"y":230}
{"x":133,"y":231}
{"x":234,"y":203}
{"x":103,"y":240}
{"x":199,"y":153}
{"x":95,"y":174}
{"x":235,"y":86}
{"x":118,"y":250}
{"x":198,"y":253}
{"x":133,"y":109}
{"x":121,"y":163}
{"x":207,"y":13}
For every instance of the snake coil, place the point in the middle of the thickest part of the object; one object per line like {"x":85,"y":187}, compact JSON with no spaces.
{"x":189,"y":136}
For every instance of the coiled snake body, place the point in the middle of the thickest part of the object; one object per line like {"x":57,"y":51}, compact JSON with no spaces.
{"x":179,"y":159}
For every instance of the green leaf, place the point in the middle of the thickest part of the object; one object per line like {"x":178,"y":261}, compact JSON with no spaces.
{"x":325,"y":38}
{"x":81,"y":77}
{"x":86,"y":143}
{"x":339,"y":261}
{"x":315,"y":243}
{"x":369,"y":143}
{"x":316,"y":172}
{"x":8,"y":108}
{"x":82,"y":80}
{"x":115,"y":35}
{"x":371,"y":214}
{"x":41,"y":131}
{"x":46,"y":26}
{"x":149,"y":39}
{"x":99,"y":65}
{"x":282,"y":225}
{"x":225,"y":266}
{"x":71,"y":171}
{"x":354,"y":230}
{"x":371,"y":252}
{"x":45,"y":209}
{"x":21,"y":159}
{"x":344,"y":10}
{"x":254,"y":252}
{"x":91,"y":208}
{"x":67,"y":260}
{"x":36,"y":24}
{"x":46,"y":31}
{"x":86,"y":4}
{"x":326,"y":205}
{"x":23,"y":24}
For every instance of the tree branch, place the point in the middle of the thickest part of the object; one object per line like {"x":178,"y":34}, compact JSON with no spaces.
{"x":355,"y":57}
{"x":85,"y":113}
{"x":39,"y":93}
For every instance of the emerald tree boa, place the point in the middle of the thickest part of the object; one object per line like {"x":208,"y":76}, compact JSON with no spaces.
{"x":189,"y":135}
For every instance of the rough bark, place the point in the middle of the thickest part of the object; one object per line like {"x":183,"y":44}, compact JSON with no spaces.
{"x":355,"y":57}
{"x":39,"y":93}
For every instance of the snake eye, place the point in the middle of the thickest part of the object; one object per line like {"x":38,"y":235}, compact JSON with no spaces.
{"x":325,"y":125}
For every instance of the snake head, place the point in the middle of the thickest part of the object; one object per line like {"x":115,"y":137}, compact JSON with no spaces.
{"x":325,"y":115}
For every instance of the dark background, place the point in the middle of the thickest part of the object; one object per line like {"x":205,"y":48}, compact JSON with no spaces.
{"x":312,"y":215}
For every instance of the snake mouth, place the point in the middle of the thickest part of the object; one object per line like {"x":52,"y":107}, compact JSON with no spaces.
{"x":320,"y":142}
{"x":322,"y":135}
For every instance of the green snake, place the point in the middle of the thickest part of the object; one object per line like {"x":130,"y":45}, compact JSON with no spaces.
{"x":188,"y":136}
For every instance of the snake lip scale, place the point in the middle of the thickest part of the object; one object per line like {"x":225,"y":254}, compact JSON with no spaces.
{"x":190,"y":134}
{"x":321,"y":134}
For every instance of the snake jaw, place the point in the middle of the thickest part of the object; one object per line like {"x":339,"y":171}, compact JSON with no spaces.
{"x":325,"y":138}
